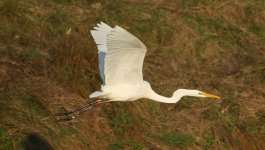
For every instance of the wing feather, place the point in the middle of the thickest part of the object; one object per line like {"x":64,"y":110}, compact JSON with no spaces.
{"x":121,"y":55}
{"x":124,"y":59}
{"x":100,"y":37}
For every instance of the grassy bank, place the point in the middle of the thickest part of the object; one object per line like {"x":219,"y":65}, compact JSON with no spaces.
{"x":48,"y":59}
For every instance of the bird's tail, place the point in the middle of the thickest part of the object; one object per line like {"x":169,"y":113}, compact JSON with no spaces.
{"x":97,"y":94}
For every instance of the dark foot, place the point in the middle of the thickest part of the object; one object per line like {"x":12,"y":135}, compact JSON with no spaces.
{"x":69,"y":115}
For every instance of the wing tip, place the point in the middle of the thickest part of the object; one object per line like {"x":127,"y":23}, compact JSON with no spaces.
{"x":99,"y":34}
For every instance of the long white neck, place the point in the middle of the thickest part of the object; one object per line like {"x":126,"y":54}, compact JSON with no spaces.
{"x":177,"y":95}
{"x":156,"y":97}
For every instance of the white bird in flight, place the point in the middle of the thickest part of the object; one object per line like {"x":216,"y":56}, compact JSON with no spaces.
{"x":121,"y":57}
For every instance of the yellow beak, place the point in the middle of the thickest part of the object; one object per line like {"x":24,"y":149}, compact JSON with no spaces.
{"x":211,"y":95}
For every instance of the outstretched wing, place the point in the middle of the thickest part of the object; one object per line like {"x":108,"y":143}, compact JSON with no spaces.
{"x":123,"y":56}
{"x":100,"y":37}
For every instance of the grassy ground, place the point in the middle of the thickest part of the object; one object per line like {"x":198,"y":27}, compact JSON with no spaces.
{"x":48,"y":59}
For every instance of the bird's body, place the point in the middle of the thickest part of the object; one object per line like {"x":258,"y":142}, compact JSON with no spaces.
{"x":121,"y":57}
{"x":124,"y":92}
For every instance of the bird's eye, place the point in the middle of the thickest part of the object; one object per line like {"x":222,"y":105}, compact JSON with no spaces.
{"x":200,"y":93}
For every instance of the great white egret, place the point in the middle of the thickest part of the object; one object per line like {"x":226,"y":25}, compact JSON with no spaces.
{"x":121,"y":57}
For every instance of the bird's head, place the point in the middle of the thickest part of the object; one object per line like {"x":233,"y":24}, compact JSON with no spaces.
{"x":196,"y":93}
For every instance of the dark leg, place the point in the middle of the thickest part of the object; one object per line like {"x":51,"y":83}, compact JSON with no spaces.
{"x":67,"y":116}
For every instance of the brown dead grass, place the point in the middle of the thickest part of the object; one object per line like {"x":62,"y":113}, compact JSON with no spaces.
{"x":52,"y":62}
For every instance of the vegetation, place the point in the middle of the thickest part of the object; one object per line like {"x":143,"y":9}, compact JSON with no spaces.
{"x":208,"y":141}
{"x":49,"y":60}
{"x":123,"y":143}
{"x":121,"y":122}
{"x":176,"y":139}
{"x":5,"y":140}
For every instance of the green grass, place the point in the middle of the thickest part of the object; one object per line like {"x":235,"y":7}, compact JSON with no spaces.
{"x":257,"y":30}
{"x":195,"y":3}
{"x":5,"y":100}
{"x":189,"y":3}
{"x":254,"y":127}
{"x":145,"y":26}
{"x":206,"y":27}
{"x":200,"y":49}
{"x":68,"y":74}
{"x":117,"y":12}
{"x":121,"y":144}
{"x":217,"y":37}
{"x":185,"y":103}
{"x":121,"y":123}
{"x":5,"y":140}
{"x":63,"y":1}
{"x":172,"y":50}
{"x":17,"y":23}
{"x":67,"y":132}
{"x":217,"y":29}
{"x":154,"y":108}
{"x":5,"y":30}
{"x":9,"y":8}
{"x":209,"y":139}
{"x":177,"y":139}
{"x":31,"y":55}
{"x":228,"y":121}
{"x":60,"y":22}
{"x":159,"y":25}
{"x":254,"y":28}
{"x":226,"y":124}
{"x":36,"y":110}
{"x":10,"y":51}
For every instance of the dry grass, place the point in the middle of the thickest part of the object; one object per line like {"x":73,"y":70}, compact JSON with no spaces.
{"x":48,"y":60}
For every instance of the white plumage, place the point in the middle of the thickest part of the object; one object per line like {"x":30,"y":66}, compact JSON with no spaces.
{"x":100,"y":36}
{"x":121,"y":57}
